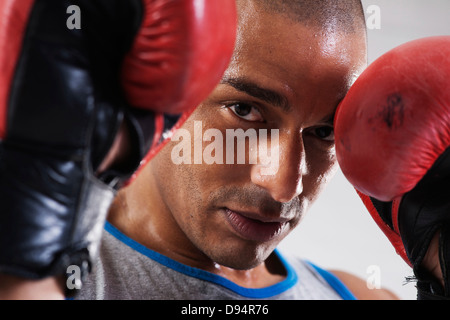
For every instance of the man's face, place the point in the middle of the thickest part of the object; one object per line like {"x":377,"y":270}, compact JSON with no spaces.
{"x":284,"y":76}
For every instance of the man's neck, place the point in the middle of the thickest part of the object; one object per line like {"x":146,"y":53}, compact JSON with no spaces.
{"x":268,"y":273}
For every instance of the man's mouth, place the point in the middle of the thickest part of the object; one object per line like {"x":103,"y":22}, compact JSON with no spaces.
{"x":254,"y":227}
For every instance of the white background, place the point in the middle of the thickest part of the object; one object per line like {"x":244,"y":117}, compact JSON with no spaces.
{"x":337,"y":232}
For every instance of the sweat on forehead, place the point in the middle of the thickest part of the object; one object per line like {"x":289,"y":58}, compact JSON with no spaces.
{"x":342,"y":15}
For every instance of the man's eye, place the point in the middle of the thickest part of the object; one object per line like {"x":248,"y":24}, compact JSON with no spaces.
{"x":246,"y":112}
{"x":324,"y":133}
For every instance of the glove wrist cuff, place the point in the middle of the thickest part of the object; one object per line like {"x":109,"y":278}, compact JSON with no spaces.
{"x":47,"y":223}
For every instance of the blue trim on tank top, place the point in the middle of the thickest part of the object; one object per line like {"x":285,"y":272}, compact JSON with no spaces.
{"x":260,"y":293}
{"x":334,"y":282}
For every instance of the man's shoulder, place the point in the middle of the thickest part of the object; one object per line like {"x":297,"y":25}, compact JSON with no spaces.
{"x":314,"y":278}
{"x":360,"y":288}
{"x":346,"y":284}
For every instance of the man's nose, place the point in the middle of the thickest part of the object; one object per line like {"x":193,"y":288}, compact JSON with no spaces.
{"x":285,"y":181}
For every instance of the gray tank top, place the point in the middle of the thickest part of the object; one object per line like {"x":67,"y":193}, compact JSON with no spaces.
{"x":126,"y":269}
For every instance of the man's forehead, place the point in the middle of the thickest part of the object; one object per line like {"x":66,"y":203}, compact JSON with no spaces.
{"x":295,"y":48}
{"x":343,"y":15}
{"x":262,"y":28}
{"x":333,"y":33}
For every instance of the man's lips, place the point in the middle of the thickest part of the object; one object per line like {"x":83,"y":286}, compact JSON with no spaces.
{"x":254,"y":227}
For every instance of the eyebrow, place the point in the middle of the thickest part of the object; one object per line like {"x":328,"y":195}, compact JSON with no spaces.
{"x":329,"y":119}
{"x":264,"y":94}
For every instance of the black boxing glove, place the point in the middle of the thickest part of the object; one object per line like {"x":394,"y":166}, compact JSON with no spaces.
{"x":64,"y":94}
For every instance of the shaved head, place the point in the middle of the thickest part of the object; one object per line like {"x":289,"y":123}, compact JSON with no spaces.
{"x":341,"y":15}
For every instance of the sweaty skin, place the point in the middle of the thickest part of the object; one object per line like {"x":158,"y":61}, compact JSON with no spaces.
{"x":198,"y":214}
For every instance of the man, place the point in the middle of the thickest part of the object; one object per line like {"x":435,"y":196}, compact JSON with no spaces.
{"x":201,"y":229}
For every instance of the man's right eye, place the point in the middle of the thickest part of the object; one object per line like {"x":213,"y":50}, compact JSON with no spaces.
{"x":325,"y":133}
{"x":246,"y":111}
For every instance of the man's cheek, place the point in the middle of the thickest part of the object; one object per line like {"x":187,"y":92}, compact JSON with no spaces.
{"x":321,"y":177}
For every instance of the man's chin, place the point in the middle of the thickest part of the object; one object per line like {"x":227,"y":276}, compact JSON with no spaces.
{"x":242,"y":258}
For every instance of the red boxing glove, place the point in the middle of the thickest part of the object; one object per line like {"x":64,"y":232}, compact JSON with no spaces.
{"x":178,"y":57}
{"x":179,"y":54}
{"x":393,"y":144}
{"x":65,"y":92}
